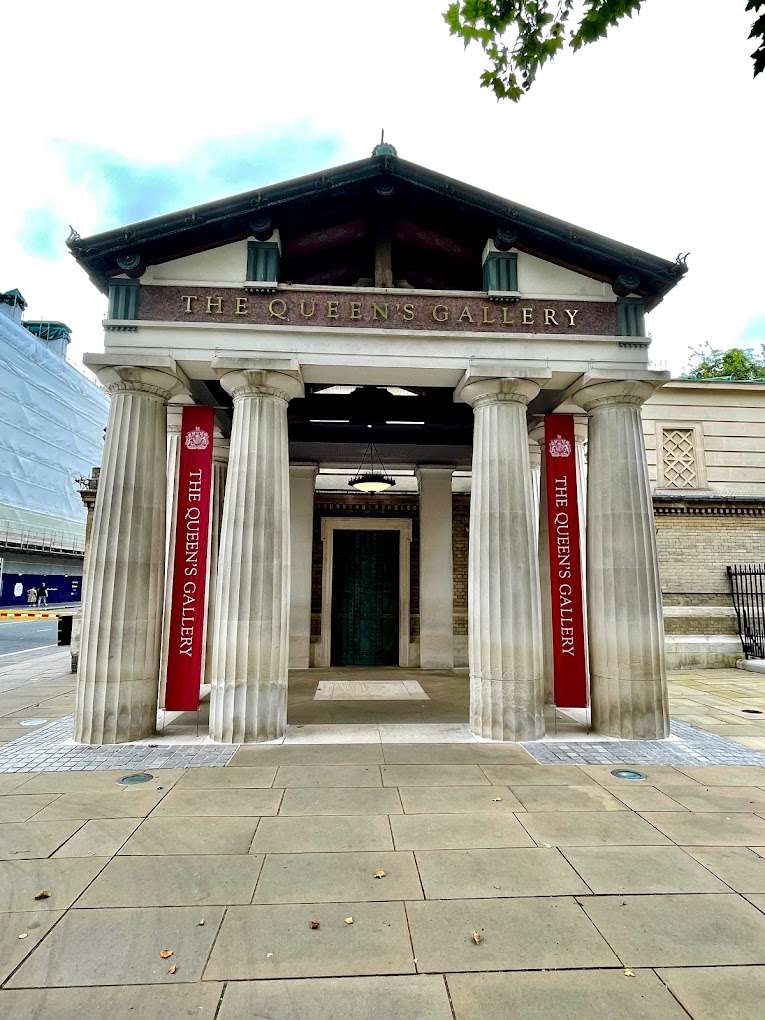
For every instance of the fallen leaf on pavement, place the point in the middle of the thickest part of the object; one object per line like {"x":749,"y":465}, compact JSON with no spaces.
{"x":314,"y":925}
{"x":165,"y":953}
{"x":496,"y":800}
{"x":42,"y":895}
{"x":172,"y":970}
{"x":478,"y":939}
{"x":349,"y":920}
{"x":379,"y":873}
{"x":628,"y":972}
{"x":24,"y":935}
{"x":202,"y":921}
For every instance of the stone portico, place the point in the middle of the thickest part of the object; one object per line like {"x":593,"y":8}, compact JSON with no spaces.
{"x":379,"y":302}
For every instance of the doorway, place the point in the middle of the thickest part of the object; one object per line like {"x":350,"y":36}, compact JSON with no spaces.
{"x":365,"y":610}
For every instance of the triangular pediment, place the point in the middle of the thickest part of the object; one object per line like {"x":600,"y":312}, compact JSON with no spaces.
{"x":330,"y":225}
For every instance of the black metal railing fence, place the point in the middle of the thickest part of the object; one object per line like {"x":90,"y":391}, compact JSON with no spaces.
{"x":747,"y":588}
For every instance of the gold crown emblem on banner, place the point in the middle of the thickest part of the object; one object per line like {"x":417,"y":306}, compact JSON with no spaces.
{"x":197,"y":439}
{"x":559,"y":447}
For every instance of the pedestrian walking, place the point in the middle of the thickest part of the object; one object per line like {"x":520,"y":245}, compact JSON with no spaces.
{"x":32,"y":596}
{"x":42,"y":594}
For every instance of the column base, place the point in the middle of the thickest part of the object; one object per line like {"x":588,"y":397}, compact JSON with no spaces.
{"x":630,"y":709}
{"x":504,"y":710}
{"x":244,"y":712}
{"x":116,"y":713}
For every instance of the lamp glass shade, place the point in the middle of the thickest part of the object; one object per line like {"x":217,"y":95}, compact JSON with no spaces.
{"x":372,"y":483}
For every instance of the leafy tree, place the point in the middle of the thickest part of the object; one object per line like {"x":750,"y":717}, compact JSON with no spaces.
{"x":518,"y":36}
{"x":710,"y":363}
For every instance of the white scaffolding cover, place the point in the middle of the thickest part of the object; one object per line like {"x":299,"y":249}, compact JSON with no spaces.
{"x":51,"y":431}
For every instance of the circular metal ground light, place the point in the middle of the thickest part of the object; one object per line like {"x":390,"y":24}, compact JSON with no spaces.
{"x":134,"y":779}
{"x":32,"y":722}
{"x":627,"y":774}
{"x":752,"y":711}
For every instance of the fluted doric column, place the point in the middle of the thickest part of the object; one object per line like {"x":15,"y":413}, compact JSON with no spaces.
{"x":122,"y":615}
{"x":220,"y":467}
{"x":174,"y":422}
{"x":537,"y":437}
{"x":250,"y":655}
{"x":628,"y":687}
{"x":505,"y":641}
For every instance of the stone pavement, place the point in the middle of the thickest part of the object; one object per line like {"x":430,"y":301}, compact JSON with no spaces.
{"x":394,"y":881}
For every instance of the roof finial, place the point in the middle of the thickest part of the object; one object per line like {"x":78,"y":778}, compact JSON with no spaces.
{"x":384,"y":148}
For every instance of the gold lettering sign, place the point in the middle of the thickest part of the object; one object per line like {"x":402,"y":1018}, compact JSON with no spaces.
{"x":357,"y":309}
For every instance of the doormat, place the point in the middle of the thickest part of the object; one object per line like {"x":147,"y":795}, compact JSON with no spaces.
{"x":369,"y":690}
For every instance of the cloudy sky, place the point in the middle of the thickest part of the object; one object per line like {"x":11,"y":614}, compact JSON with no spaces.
{"x":114,"y":113}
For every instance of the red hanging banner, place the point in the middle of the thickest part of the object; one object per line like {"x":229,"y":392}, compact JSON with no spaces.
{"x":187,"y":607}
{"x":568,"y":637}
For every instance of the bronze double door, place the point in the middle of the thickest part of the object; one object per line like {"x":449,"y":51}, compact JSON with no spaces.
{"x":365,"y":598}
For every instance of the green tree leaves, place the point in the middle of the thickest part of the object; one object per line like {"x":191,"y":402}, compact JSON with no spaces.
{"x":735,"y":363}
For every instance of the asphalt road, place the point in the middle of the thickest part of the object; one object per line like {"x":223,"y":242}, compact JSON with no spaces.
{"x":26,"y":635}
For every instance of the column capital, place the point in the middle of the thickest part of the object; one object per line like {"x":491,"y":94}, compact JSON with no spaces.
{"x":133,"y":379}
{"x":483,"y":392}
{"x":304,"y":470}
{"x":597,"y":390}
{"x":249,"y":383}
{"x":220,"y":450}
{"x":433,"y":469}
{"x":537,"y":434}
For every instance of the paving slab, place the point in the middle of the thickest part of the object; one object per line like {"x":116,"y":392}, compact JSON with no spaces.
{"x":122,"y":947}
{"x":100,"y":782}
{"x":223,"y":803}
{"x":327,"y":775}
{"x":719,"y":798}
{"x":228,"y":779}
{"x":318,"y":833}
{"x":20,"y":808}
{"x":337,"y":877}
{"x":567,"y":798}
{"x":64,"y":880}
{"x":125,"y":1003}
{"x":569,"y":994}
{"x":654,"y":775}
{"x":171,"y":835}
{"x":458,"y":831}
{"x":641,"y":869}
{"x":114,"y":804}
{"x":680,"y":931}
{"x":20,"y":840}
{"x":347,"y":800}
{"x":455,"y":754}
{"x":278,"y":942}
{"x":709,"y":828}
{"x":100,"y":837}
{"x":474,"y":874}
{"x":459,"y":800}
{"x":718,"y":993}
{"x":174,"y":881}
{"x":645,"y":798}
{"x":742,"y":869}
{"x":590,"y":828}
{"x":758,"y":900}
{"x":9,"y":781}
{"x":536,"y":775}
{"x":417,"y":997}
{"x":725,"y":775}
{"x":433,"y":775}
{"x":35,"y":924}
{"x":308,"y":754}
{"x":517,"y":934}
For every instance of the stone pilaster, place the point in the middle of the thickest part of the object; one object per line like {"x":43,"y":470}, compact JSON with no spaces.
{"x":174,"y":421}
{"x":220,"y":468}
{"x":436,"y":568}
{"x":250,"y":655}
{"x":122,"y":614}
{"x":505,"y":641}
{"x":626,"y":632}
{"x":302,"y":487}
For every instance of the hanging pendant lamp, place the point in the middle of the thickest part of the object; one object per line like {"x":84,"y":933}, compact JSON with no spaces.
{"x":371,"y":480}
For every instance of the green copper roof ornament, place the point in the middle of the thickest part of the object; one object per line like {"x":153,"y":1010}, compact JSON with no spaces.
{"x":384,"y":148}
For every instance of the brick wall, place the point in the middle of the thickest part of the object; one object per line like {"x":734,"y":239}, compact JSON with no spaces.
{"x":694,"y":551}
